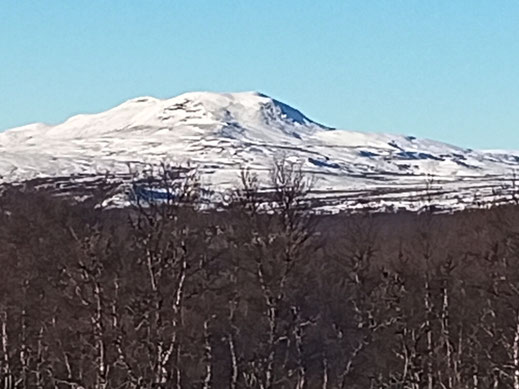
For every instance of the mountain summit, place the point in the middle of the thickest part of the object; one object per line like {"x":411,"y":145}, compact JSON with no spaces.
{"x":222,"y":133}
{"x":205,"y":110}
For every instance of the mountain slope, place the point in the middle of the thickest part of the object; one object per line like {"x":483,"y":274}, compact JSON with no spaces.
{"x":221,"y":133}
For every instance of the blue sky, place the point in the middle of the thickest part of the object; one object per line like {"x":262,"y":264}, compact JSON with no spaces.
{"x":442,"y":69}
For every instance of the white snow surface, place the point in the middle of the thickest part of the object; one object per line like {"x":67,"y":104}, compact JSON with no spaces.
{"x":222,"y":133}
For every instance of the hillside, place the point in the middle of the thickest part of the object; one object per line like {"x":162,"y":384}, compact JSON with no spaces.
{"x":222,"y":133}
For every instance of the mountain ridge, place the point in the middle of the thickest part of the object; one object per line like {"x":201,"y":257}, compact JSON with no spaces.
{"x":220,"y":133}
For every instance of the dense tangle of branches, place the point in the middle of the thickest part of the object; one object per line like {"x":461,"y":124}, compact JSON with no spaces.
{"x":163,"y":295}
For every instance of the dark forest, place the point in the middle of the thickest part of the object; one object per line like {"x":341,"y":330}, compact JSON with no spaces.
{"x":257,"y":294}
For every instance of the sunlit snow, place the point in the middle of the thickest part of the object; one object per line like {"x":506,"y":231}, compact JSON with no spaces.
{"x":222,"y":133}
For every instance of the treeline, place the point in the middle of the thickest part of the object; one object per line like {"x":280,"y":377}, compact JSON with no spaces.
{"x":257,"y":295}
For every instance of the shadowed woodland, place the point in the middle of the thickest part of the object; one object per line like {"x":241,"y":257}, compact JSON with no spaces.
{"x":257,"y":295}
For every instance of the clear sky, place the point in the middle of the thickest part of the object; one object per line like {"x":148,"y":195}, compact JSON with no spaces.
{"x":442,"y":69}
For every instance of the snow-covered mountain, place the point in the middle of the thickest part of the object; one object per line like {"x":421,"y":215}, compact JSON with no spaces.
{"x":222,"y":133}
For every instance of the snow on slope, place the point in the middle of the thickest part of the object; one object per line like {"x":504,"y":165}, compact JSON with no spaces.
{"x":221,"y":133}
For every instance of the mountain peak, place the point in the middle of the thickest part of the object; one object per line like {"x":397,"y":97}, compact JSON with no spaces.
{"x":222,"y":132}
{"x":247,"y":111}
